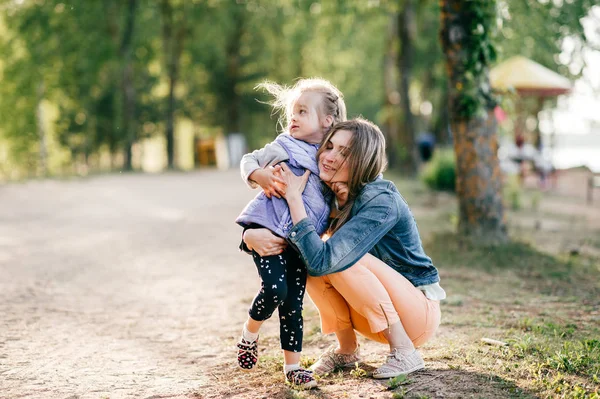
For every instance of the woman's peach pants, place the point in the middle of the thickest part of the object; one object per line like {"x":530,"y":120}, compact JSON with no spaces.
{"x":369,"y":297}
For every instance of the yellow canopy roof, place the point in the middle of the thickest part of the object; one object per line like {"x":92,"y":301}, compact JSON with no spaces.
{"x":528,"y":78}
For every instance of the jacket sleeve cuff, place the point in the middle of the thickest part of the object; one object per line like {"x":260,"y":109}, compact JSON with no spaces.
{"x":246,"y":177}
{"x":300,"y":229}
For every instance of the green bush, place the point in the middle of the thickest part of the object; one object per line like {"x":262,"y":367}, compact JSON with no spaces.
{"x":440,"y":173}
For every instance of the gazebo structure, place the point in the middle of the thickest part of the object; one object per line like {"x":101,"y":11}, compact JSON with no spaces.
{"x":528,"y":79}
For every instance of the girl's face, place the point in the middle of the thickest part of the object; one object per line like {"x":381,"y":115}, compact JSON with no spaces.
{"x":333,"y":162}
{"x":306,"y":123}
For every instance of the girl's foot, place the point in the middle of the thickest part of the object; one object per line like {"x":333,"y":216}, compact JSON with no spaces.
{"x":329,"y":361}
{"x":301,"y":378}
{"x":247,"y":354}
{"x":398,"y":363}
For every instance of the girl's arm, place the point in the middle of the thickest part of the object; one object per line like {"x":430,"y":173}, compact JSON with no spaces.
{"x":256,"y":168}
{"x":373,"y":220}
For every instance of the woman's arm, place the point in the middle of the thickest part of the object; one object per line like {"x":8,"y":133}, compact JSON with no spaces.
{"x":295,"y":186}
{"x":351,"y":242}
{"x":373,"y":220}
{"x":264,"y":242}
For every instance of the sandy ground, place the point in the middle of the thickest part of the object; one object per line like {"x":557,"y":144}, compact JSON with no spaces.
{"x":119,"y":286}
{"x":131,"y":286}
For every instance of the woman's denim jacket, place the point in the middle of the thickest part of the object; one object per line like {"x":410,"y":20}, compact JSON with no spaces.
{"x":381,"y":224}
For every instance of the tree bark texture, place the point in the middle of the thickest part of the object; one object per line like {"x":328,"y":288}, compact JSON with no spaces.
{"x":392,"y":96}
{"x":479,"y":178}
{"x":174,"y":32}
{"x":125,"y":52}
{"x":407,"y":32}
{"x":232,"y":123}
{"x":41,"y":128}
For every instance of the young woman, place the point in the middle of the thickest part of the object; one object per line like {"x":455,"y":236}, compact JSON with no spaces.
{"x":371,"y":275}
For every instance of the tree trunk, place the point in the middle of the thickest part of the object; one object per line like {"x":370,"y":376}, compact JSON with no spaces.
{"x":232,"y":123}
{"x":407,"y":32}
{"x":125,"y":52}
{"x":173,"y":37}
{"x":41,"y":128}
{"x":392,"y":97}
{"x":479,"y":179}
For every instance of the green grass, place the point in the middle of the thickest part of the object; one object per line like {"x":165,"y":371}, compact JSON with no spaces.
{"x":540,"y":304}
{"x":531,"y":293}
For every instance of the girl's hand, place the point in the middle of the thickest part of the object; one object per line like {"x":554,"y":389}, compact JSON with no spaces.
{"x":269,"y":180}
{"x":341,"y":192}
{"x":264,"y":242}
{"x":295,"y":185}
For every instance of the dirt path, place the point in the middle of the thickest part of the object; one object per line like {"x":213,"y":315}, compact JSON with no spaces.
{"x":118,"y":286}
{"x":132,"y":287}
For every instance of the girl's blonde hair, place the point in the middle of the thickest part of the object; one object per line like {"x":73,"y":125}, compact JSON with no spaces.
{"x":366,"y":160}
{"x":284,"y":97}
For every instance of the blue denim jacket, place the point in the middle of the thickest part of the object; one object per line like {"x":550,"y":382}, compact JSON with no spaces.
{"x":381,"y":224}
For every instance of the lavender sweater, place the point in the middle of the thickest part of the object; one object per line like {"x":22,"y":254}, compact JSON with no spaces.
{"x":274,"y":213}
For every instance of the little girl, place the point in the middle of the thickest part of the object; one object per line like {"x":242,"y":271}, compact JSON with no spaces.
{"x":310,"y":108}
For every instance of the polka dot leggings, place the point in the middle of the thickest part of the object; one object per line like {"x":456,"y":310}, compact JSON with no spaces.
{"x":283,"y":283}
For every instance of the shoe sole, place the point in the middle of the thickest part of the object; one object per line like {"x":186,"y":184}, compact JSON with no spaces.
{"x":308,"y":385}
{"x":396,"y":374}
{"x":345,"y":366}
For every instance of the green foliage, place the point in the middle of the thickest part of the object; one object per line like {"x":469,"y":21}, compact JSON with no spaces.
{"x":358,"y":372}
{"x":440,"y":172}
{"x":472,"y":30}
{"x":72,"y":58}
{"x":399,"y":395}
{"x":395,"y":382}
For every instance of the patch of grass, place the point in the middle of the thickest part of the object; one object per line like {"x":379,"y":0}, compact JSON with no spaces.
{"x":400,"y":394}
{"x":358,"y":372}
{"x":395,"y":382}
{"x":542,"y":305}
{"x":271,"y":363}
{"x":550,"y":274}
{"x":307,"y":361}
{"x":295,"y":394}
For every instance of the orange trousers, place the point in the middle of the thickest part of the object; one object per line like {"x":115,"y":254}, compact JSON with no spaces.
{"x":370,"y":296}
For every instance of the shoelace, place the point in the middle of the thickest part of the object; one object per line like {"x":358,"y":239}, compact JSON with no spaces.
{"x":250,"y":349}
{"x":386,"y":365}
{"x":300,"y":376}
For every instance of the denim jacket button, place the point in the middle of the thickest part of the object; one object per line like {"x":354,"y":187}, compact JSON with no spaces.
{"x":293,"y":234}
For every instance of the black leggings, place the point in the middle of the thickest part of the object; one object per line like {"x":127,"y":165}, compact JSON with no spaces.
{"x":283,"y":283}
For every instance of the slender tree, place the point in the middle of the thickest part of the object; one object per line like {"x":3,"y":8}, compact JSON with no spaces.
{"x":174,"y":31}
{"x":125,"y":54}
{"x":466,"y":35}
{"x":407,"y":31}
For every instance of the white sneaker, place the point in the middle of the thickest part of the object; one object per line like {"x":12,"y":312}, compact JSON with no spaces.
{"x":398,"y":363}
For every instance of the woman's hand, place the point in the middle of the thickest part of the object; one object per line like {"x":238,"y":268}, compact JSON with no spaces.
{"x":264,"y":242}
{"x":269,"y":180}
{"x":341,"y":193}
{"x":295,"y":185}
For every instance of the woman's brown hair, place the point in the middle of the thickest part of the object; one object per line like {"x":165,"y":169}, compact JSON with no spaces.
{"x":366,"y":160}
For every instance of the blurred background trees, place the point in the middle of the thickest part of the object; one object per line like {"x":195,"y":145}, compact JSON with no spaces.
{"x":86,"y":87}
{"x":112,"y":73}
